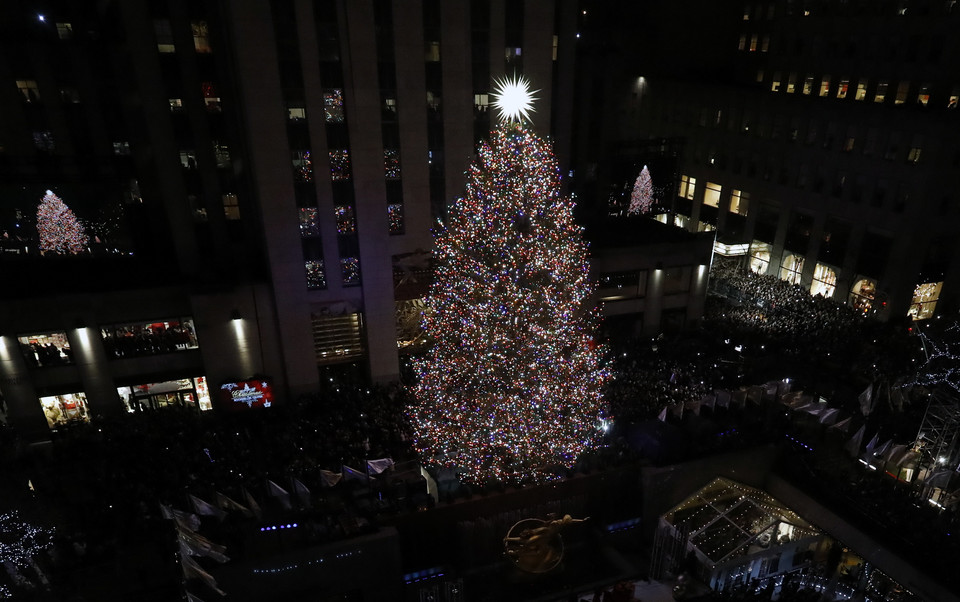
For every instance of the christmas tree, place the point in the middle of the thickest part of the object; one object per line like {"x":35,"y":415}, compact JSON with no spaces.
{"x":59,"y":229}
{"x":513,"y":386}
{"x":642,"y":197}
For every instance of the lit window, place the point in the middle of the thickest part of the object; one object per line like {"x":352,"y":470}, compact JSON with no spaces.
{"x":765,"y":44}
{"x":296,"y":113}
{"x":316,"y":279}
{"x":862,"y":295}
{"x":391,"y":163}
{"x":339,"y":164}
{"x":861,"y":89}
{"x":512,"y":53}
{"x":842,"y":88}
{"x":753,"y":43}
{"x":390,"y":104}
{"x":923,"y":96}
{"x":791,"y":83}
{"x":711,"y":194}
{"x":350,"y":271}
{"x":302,"y":165}
{"x":775,"y":83}
{"x":791,"y":268}
{"x":309,"y":222}
{"x":556,"y":44}
{"x":824,"y":281}
{"x":221,"y":152}
{"x":197,"y":209}
{"x":395,"y":218}
{"x":481,"y":102}
{"x":825,"y":86}
{"x":231,"y":206}
{"x":902,"y":89}
{"x":176,"y":105}
{"x":742,"y":45}
{"x":188,"y":159}
{"x":924,"y":301}
{"x":201,"y":40}
{"x":746,"y":12}
{"x":61,"y":410}
{"x":739,"y":202}
{"x":210,"y":97}
{"x":914,"y":155}
{"x":688,"y":186}
{"x":121,"y":149}
{"x":433,"y":101}
{"x":161,"y":28}
{"x":881,"y":94}
{"x":28,"y":88}
{"x":848,"y":144}
{"x":65,"y":31}
{"x":807,"y":85}
{"x":333,"y":105}
{"x":47,"y":349}
{"x":954,"y":98}
{"x":432,"y":52}
{"x":346,"y":221}
{"x":759,"y":75}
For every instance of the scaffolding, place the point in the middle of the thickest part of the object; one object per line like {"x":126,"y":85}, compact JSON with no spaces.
{"x":938,"y":440}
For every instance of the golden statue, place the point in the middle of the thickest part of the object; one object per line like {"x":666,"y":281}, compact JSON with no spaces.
{"x":535,"y":545}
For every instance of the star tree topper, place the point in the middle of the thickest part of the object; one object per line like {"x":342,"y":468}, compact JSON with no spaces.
{"x":513,"y":98}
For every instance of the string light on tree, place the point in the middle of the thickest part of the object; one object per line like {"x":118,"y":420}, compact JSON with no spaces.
{"x":641,"y":200}
{"x":513,"y":98}
{"x":513,"y":386}
{"x":59,"y":229}
{"x":20,"y":541}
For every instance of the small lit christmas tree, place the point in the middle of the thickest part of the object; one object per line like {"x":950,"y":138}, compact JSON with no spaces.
{"x":60,"y":231}
{"x":641,"y":200}
{"x":513,"y":386}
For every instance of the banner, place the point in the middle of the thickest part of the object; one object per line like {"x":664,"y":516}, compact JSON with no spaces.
{"x":280,"y":493}
{"x":843,"y":425}
{"x":301,"y":490}
{"x":866,"y":400}
{"x":192,"y":570}
{"x":245,"y":395}
{"x":829,"y":416}
{"x":663,"y":415}
{"x":198,"y":545}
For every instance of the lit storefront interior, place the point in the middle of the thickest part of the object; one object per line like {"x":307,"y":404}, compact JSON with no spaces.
{"x":184,"y":393}
{"x":61,"y":410}
{"x":924,"y":303}
{"x":824,"y":281}
{"x":45,"y":350}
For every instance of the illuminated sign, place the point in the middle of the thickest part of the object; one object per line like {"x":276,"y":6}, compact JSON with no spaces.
{"x":248,"y":393}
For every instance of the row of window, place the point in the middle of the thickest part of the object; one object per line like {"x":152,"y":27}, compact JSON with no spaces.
{"x":164,"y":34}
{"x":859,"y":89}
{"x":739,"y":200}
{"x":120,"y":341}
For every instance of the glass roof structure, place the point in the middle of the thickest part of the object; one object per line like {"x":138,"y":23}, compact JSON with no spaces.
{"x":726,"y":519}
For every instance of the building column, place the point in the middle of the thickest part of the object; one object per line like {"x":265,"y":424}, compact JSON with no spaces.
{"x":92,"y":364}
{"x":23,"y":405}
{"x":653,"y":306}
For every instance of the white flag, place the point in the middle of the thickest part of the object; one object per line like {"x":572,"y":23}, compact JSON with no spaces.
{"x":663,"y":414}
{"x":378,"y":466}
{"x":280,"y":493}
{"x":206,"y":509}
{"x":866,"y":400}
{"x":301,"y":490}
{"x":228,"y":503}
{"x":853,"y":446}
{"x":252,"y":504}
{"x":186,"y":520}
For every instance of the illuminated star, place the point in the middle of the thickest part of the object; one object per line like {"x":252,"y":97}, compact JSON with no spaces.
{"x":513,"y":98}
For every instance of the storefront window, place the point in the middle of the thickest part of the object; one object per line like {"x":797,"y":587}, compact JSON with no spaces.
{"x":791,"y":267}
{"x":924,"y":302}
{"x":759,"y":257}
{"x":43,"y":350}
{"x":824,"y":281}
{"x":64,"y":409}
{"x":149,"y":338}
{"x":862,"y":294}
{"x":184,"y":393}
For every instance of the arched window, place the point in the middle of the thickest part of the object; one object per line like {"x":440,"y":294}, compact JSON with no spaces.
{"x":824,"y":281}
{"x":759,"y":257}
{"x":862,"y":294}
{"x":791,"y":267}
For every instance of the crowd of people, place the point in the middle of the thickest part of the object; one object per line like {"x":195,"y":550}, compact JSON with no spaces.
{"x":148,"y":339}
